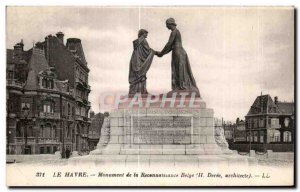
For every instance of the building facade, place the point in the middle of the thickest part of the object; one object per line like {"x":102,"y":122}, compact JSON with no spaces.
{"x":95,"y":130}
{"x":240,"y":131}
{"x":269,"y":126}
{"x":47,"y":97}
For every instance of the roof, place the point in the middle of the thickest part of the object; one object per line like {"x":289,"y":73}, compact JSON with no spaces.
{"x":17,"y":57}
{"x":74,"y":45}
{"x":37,"y":63}
{"x":263,"y":104}
{"x":286,"y":107}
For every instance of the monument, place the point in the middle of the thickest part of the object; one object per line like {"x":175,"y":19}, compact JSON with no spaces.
{"x":174,"y":123}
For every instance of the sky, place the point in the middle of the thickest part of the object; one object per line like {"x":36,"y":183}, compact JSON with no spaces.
{"x":235,"y":53}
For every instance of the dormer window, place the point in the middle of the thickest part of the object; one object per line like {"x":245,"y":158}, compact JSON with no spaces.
{"x":47,"y":83}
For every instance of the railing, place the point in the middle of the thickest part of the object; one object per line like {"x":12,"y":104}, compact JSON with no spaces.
{"x":49,"y":115}
{"x":79,"y":118}
{"x":48,"y":140}
{"x":14,"y":83}
{"x":21,"y":140}
{"x":79,"y":99}
{"x":84,"y":84}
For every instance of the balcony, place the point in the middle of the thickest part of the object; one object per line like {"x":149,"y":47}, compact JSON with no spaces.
{"x":45,"y":140}
{"x":48,"y":115}
{"x":82,"y":84}
{"x":14,"y":83}
{"x":78,"y":118}
{"x":21,"y":140}
{"x":79,"y":99}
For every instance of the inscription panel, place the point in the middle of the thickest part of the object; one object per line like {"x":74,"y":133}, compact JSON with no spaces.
{"x":161,"y":129}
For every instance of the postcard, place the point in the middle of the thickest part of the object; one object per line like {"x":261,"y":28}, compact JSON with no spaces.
{"x":150,"y":96}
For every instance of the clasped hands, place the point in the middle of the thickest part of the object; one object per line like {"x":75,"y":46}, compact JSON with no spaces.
{"x":159,"y":54}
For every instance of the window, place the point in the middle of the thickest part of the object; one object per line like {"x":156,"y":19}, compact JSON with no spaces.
{"x":48,"y":107}
{"x":255,"y":136}
{"x":47,"y":131}
{"x":41,"y":131}
{"x":10,"y":75}
{"x":287,"y":136}
{"x":19,"y":131}
{"x":54,"y":149}
{"x":69,"y":109}
{"x":51,"y":84}
{"x":275,"y":136}
{"x":48,"y":150}
{"x":82,"y":111}
{"x":47,"y":83}
{"x":30,"y":132}
{"x":286,"y":122}
{"x":54,"y":132}
{"x":42,"y":150}
{"x":77,"y":111}
{"x":261,"y":136}
{"x":261,"y":123}
{"x":274,"y":122}
{"x":44,"y":83}
{"x":25,"y":104}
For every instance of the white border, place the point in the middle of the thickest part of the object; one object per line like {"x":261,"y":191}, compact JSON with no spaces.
{"x":4,"y":3}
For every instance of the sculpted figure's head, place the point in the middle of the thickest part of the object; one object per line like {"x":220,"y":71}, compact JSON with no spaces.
{"x":170,"y":23}
{"x":143,"y":32}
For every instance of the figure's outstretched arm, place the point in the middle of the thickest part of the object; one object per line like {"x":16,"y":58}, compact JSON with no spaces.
{"x":168,"y":46}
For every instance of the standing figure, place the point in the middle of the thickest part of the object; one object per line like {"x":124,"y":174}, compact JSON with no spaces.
{"x":182,"y":76}
{"x":140,"y":63}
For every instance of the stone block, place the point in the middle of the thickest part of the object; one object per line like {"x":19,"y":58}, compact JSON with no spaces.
{"x":151,"y":149}
{"x":196,"y":130}
{"x":202,"y":139}
{"x":184,"y":112}
{"x":116,"y":130}
{"x":202,"y":122}
{"x":133,"y":150}
{"x":162,"y":158}
{"x":121,"y":139}
{"x":182,"y":161}
{"x":207,"y":131}
{"x":114,"y":122}
{"x":114,"y":139}
{"x":206,"y":113}
{"x":173,"y":149}
{"x":117,"y":113}
{"x":210,"y":139}
{"x":121,"y":122}
{"x":112,"y":149}
{"x":196,"y":121}
{"x":196,"y":139}
{"x":210,"y":122}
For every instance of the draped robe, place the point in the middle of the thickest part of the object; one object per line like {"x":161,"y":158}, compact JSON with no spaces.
{"x":182,"y":76}
{"x":140,"y":63}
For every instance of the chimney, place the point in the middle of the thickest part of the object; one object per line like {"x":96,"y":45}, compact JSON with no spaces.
{"x":92,"y":114}
{"x":276,"y":100}
{"x":19,"y":46}
{"x":60,"y":37}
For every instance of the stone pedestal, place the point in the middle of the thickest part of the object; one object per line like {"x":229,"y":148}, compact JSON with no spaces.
{"x":160,"y":131}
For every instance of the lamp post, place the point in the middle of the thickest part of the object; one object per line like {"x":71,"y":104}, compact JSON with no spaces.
{"x":8,"y":137}
{"x":26,"y":113}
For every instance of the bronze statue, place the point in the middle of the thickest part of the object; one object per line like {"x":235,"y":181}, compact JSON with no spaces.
{"x":140,"y":63}
{"x":182,"y":76}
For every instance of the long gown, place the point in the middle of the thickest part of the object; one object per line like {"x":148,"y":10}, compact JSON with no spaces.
{"x":140,"y":63}
{"x":182,"y":76}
